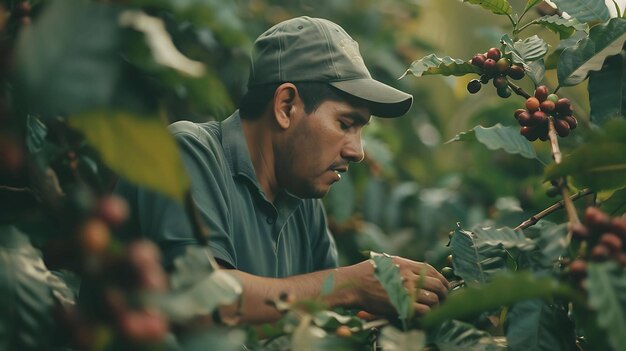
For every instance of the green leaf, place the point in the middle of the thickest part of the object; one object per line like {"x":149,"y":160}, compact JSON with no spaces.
{"x":537,"y":325}
{"x":67,"y":60}
{"x":458,"y":336}
{"x":330,"y":320}
{"x":599,"y":165}
{"x":499,"y":7}
{"x":607,"y":295}
{"x":504,"y":290}
{"x":551,"y":244}
{"x":616,"y":204}
{"x":473,"y":262}
{"x":446,"y":66}
{"x":530,"y":4}
{"x":27,"y":303}
{"x":604,"y":40}
{"x":509,"y":49}
{"x":584,"y":10}
{"x":388,"y":274}
{"x":499,"y":137}
{"x":564,"y":27}
{"x":195,"y":264}
{"x":219,"y":338}
{"x":392,"y":339}
{"x":536,"y":71}
{"x":200,"y":299}
{"x":607,"y":90}
{"x":531,"y":48}
{"x":139,"y":149}
{"x":36,"y":133}
{"x":505,"y":236}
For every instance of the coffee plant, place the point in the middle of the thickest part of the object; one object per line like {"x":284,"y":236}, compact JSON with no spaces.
{"x":86,"y":89}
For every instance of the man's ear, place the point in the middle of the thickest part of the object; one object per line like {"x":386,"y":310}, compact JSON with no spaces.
{"x":286,"y":101}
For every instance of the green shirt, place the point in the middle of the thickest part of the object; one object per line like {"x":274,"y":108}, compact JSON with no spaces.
{"x":247,"y":232}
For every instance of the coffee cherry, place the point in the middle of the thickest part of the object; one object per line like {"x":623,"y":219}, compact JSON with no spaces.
{"x":94,"y":236}
{"x":143,"y":326}
{"x":571,"y":121}
{"x":529,"y":133}
{"x":113,"y":210}
{"x":447,"y":272}
{"x":524,"y":118}
{"x":490,"y":66}
{"x":597,"y":219}
{"x":365,"y":315}
{"x":612,"y":242}
{"x":563,"y":106}
{"x":504,"y":92}
{"x":539,"y":117}
{"x":500,"y":82}
{"x":553,"y":97}
{"x":485,"y":78}
{"x":343,"y":331}
{"x":503,"y":64}
{"x":518,"y":112}
{"x":449,"y":260}
{"x":494,"y":54}
{"x":600,"y":253}
{"x":541,"y":93}
{"x":580,"y":232}
{"x":562,"y":128}
{"x":552,"y":191}
{"x":547,"y":106}
{"x":618,"y":226}
{"x":479,"y":60}
{"x":516,"y":72}
{"x":532,"y":104}
{"x":473,"y":86}
{"x":578,"y":269}
{"x":24,"y":8}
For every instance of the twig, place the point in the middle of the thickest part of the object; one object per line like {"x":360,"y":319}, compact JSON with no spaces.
{"x":535,"y":218}
{"x":518,"y":90}
{"x":568,"y":203}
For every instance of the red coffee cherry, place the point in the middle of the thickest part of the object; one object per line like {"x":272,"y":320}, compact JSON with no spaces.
{"x":541,"y":93}
{"x":532,"y":104}
{"x":562,"y":128}
{"x":518,"y":112}
{"x":529,"y":133}
{"x":571,"y":121}
{"x":494,"y":54}
{"x":547,"y":106}
{"x":343,"y":331}
{"x":612,"y":242}
{"x":516,"y":72}
{"x":524,"y":118}
{"x":580,"y":232}
{"x":490,"y":66}
{"x":597,"y":219}
{"x":479,"y":60}
{"x":600,"y":253}
{"x":539,"y":117}
{"x":578,"y":269}
{"x":500,"y":82}
{"x":564,"y":106}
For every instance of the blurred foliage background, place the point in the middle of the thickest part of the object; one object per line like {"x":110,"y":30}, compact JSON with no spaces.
{"x":412,"y":187}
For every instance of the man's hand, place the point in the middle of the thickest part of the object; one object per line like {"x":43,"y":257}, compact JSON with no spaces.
{"x":420,"y":279}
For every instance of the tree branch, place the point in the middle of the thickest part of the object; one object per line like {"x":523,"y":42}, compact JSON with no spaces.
{"x":518,"y":90}
{"x":560,"y":204}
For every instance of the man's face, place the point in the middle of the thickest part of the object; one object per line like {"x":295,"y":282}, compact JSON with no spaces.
{"x":319,"y":146}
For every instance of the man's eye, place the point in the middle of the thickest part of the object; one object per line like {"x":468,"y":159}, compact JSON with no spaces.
{"x":344,"y":125}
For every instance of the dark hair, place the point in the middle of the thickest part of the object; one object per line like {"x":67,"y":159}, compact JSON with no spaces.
{"x":255,"y":101}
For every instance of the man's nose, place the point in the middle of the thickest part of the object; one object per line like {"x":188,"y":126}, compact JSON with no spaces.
{"x":353,"y":150}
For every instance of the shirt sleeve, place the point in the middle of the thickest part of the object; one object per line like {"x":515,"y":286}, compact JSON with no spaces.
{"x":166,"y":222}
{"x":322,"y":242}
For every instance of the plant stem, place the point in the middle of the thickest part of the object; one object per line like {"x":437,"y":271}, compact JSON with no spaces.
{"x":512,"y":21}
{"x":517,"y":31}
{"x":558,"y":205}
{"x":569,"y":204}
{"x":518,"y":90}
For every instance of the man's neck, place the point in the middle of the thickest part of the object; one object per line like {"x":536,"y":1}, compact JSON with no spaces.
{"x":259,"y":141}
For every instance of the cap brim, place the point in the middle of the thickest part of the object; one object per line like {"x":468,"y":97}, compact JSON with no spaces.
{"x":385,"y":101}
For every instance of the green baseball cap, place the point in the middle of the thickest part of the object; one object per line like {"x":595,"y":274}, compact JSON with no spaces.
{"x":306,"y":49}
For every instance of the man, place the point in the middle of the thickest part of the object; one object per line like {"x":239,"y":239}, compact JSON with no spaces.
{"x":258,"y":175}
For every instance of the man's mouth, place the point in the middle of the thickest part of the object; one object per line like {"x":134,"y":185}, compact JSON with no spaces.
{"x":339,"y":169}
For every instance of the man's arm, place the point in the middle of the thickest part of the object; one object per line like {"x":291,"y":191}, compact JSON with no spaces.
{"x":354,"y":286}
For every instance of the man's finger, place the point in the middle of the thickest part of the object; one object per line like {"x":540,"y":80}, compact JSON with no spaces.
{"x":420,"y":308}
{"x":427,"y":298}
{"x":433,"y":285}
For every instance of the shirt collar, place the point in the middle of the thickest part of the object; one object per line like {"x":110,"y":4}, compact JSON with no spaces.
{"x":238,"y":158}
